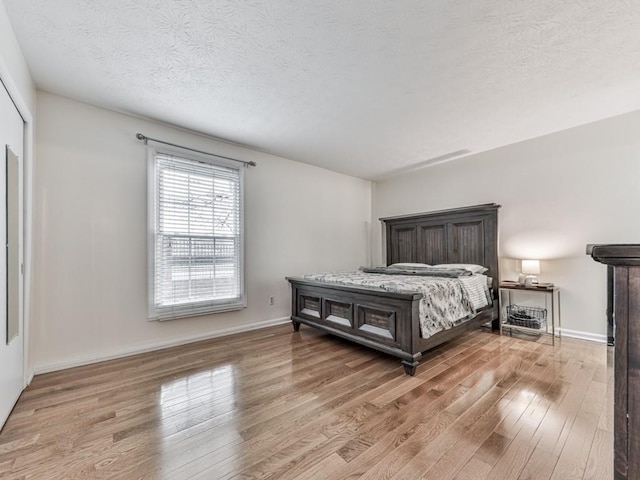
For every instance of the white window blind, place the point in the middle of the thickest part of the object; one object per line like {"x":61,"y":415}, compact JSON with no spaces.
{"x":196,"y":236}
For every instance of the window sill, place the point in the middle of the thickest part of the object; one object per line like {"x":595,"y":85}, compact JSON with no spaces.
{"x":196,"y":312}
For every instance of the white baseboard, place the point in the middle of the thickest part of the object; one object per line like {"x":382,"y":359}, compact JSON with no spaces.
{"x":135,"y":350}
{"x":592,"y":337}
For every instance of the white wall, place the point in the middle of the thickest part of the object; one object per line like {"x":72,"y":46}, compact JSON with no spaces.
{"x":90,"y":292}
{"x":558,"y":193}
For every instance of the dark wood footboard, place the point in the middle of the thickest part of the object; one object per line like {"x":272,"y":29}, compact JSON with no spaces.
{"x":372,"y":317}
{"x":376,"y":318}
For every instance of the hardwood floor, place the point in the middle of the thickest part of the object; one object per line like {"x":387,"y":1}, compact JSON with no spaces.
{"x":273,"y":404}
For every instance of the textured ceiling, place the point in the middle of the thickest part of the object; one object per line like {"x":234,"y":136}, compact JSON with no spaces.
{"x":363,"y":87}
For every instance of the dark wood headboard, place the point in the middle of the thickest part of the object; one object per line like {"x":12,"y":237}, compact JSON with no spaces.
{"x":459,"y":235}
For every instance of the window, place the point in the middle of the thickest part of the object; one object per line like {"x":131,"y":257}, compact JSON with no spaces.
{"x":195,"y":235}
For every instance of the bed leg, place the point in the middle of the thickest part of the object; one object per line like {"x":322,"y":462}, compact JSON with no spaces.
{"x":296,"y":326}
{"x":410,"y":367}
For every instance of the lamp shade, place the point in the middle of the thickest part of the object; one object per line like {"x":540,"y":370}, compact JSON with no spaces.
{"x":531,"y":267}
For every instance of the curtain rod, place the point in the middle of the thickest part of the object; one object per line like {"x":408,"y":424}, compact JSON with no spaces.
{"x":146,"y":139}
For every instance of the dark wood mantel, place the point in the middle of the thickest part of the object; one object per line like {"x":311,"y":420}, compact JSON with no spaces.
{"x":625,"y":260}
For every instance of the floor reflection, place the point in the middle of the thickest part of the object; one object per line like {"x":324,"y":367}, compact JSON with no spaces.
{"x":192,"y":410}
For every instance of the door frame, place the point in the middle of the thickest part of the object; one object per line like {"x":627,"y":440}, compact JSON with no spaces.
{"x":28,"y":159}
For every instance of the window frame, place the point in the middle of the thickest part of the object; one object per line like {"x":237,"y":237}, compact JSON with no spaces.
{"x":193,"y":308}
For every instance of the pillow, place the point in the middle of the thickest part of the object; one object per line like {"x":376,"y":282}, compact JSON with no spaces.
{"x":467,"y":266}
{"x":409,"y":265}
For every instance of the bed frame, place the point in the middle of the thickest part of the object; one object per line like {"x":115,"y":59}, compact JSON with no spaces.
{"x":388,"y":321}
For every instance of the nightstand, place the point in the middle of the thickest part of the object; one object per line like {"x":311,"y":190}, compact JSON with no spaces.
{"x":551,"y":295}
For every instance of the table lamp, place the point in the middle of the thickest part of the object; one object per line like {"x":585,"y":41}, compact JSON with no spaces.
{"x":530,"y":268}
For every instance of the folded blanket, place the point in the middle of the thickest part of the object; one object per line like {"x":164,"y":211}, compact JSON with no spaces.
{"x":419,"y":271}
{"x":477,"y":290}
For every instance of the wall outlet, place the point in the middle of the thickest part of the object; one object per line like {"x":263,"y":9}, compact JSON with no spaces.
{"x":272,"y":300}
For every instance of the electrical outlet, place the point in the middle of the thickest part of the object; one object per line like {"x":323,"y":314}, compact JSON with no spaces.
{"x":272,"y":300}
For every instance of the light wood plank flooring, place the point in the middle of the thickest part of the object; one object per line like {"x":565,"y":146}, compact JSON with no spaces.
{"x":273,"y":404}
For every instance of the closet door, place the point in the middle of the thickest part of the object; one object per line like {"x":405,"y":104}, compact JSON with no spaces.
{"x":11,"y":318}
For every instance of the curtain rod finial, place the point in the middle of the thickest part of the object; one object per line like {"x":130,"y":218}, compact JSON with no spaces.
{"x":140,"y":136}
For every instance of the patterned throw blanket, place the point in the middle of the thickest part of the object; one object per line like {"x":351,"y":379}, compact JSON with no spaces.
{"x":445,"y":301}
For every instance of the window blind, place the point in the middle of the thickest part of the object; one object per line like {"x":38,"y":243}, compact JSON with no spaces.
{"x":197,"y":237}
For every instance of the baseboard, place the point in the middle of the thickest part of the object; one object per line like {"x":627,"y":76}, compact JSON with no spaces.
{"x":592,"y":337}
{"x":87,"y":360}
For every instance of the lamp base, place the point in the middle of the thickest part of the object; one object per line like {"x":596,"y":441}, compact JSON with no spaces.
{"x":530,"y":280}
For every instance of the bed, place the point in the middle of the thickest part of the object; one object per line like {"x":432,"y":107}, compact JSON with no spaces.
{"x":388,"y":320}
